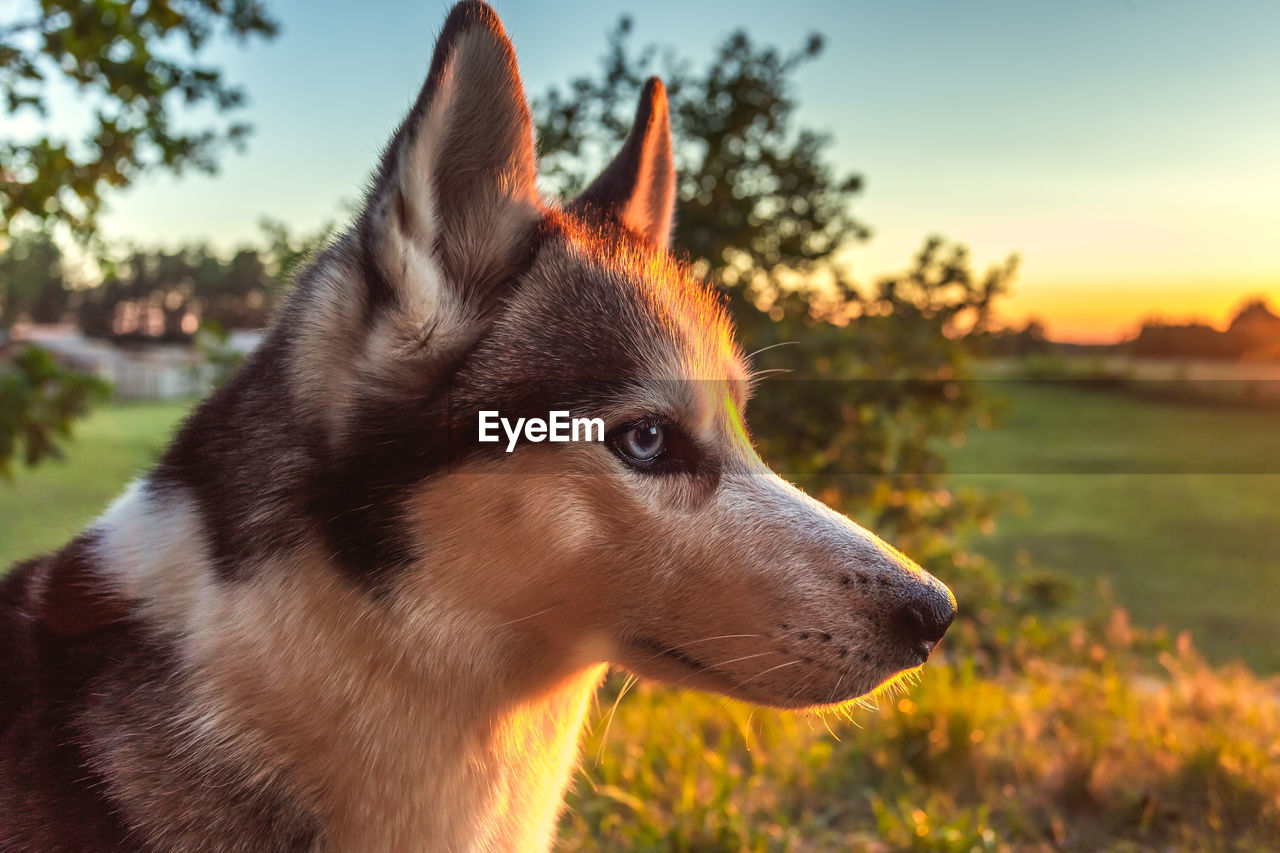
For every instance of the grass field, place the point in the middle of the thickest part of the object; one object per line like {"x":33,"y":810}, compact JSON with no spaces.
{"x":42,"y":508}
{"x":1177,"y":506}
{"x":1153,"y":497}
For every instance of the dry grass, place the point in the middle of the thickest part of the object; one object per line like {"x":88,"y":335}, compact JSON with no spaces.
{"x":1082,"y":753}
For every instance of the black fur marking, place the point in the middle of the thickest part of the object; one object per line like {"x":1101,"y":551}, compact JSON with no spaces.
{"x":355,"y":495}
{"x":50,"y":799}
{"x":239,"y":455}
{"x":379,"y":294}
{"x":73,"y":601}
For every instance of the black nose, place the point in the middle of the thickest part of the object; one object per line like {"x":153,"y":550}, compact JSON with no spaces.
{"x":923,"y":620}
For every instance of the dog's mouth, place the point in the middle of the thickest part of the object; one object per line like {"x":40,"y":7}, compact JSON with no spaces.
{"x":659,"y":652}
{"x":822,"y":686}
{"x":678,"y":668}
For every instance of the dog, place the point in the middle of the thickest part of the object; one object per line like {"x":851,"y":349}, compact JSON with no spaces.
{"x":332,"y":618}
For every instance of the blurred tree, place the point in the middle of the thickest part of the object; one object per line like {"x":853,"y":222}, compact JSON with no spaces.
{"x":213,"y":341}
{"x":131,"y":65}
{"x":880,"y":380}
{"x":39,"y":401}
{"x":39,"y":398}
{"x":759,"y":200}
{"x":31,"y":280}
{"x":1159,"y":339}
{"x":151,"y":294}
{"x":1011,"y":342}
{"x":1257,"y":328}
{"x":1255,"y":314}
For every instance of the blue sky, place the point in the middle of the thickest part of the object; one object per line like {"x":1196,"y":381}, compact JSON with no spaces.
{"x":1130,"y":151}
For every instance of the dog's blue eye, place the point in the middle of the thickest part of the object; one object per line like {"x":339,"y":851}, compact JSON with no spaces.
{"x":643,"y":442}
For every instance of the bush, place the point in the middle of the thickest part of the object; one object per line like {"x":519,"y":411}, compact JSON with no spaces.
{"x":39,"y":401}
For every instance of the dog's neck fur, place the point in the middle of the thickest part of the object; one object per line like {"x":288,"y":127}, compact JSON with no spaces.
{"x":404,"y":730}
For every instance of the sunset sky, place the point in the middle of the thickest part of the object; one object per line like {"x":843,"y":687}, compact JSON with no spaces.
{"x":1129,"y":151}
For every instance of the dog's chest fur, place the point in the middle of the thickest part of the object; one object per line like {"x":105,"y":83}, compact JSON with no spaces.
{"x":402,"y":741}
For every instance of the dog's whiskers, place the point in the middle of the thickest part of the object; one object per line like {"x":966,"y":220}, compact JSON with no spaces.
{"x":744,"y":657}
{"x":721,"y":637}
{"x":530,"y":616}
{"x":755,"y":353}
{"x":767,"y":671}
{"x":613,"y":709}
{"x":756,"y":374}
{"x":713,"y":667}
{"x":670,"y":649}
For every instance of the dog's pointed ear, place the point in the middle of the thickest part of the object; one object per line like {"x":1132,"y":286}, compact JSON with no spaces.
{"x":453,"y":207}
{"x":638,"y":188}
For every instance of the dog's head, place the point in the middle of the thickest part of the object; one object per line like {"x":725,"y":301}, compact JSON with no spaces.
{"x":669,"y":547}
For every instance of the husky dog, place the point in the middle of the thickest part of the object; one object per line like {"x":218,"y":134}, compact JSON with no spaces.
{"x":332,"y":619}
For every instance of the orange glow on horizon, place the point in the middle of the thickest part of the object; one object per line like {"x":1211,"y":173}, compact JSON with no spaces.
{"x":1101,"y":313}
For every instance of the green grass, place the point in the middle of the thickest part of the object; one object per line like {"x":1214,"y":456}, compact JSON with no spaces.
{"x":41,"y":508}
{"x":1153,"y":497}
